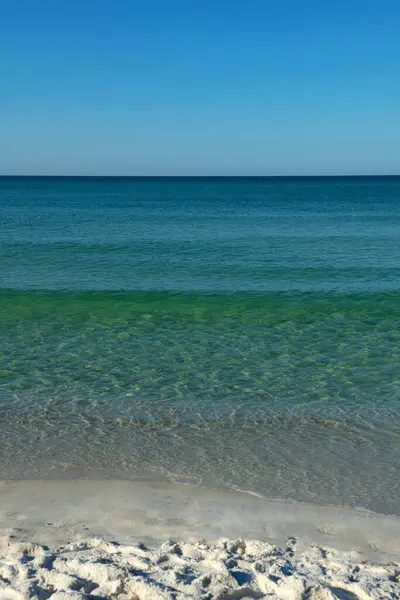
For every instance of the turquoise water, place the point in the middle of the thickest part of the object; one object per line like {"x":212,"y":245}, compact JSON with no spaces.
{"x":229,"y":332}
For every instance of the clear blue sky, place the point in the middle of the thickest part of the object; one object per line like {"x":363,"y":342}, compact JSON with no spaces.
{"x":186,"y":87}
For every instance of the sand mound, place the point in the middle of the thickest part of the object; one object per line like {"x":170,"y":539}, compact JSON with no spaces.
{"x":225,"y":570}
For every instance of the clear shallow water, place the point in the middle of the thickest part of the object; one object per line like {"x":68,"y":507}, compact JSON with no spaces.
{"x":233,"y":332}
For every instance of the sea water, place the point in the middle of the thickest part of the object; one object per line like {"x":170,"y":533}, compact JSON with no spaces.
{"x":233,"y":332}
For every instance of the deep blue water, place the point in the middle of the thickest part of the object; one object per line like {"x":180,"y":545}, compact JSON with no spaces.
{"x":226,"y":331}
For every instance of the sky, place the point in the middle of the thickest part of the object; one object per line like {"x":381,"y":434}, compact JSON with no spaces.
{"x":199,"y":87}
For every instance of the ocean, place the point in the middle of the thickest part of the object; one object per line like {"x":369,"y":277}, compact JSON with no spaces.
{"x":229,"y":332}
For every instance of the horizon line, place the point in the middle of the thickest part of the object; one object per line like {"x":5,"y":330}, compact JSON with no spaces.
{"x":92,"y":176}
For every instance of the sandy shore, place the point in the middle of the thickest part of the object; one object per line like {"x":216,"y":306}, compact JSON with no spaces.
{"x":227,"y":570}
{"x":84,"y":539}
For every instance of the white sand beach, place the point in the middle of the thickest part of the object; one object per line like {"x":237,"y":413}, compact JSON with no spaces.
{"x":152,"y":540}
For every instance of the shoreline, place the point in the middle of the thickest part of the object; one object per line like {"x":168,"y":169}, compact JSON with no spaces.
{"x":147,"y":540}
{"x":61,"y":511}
